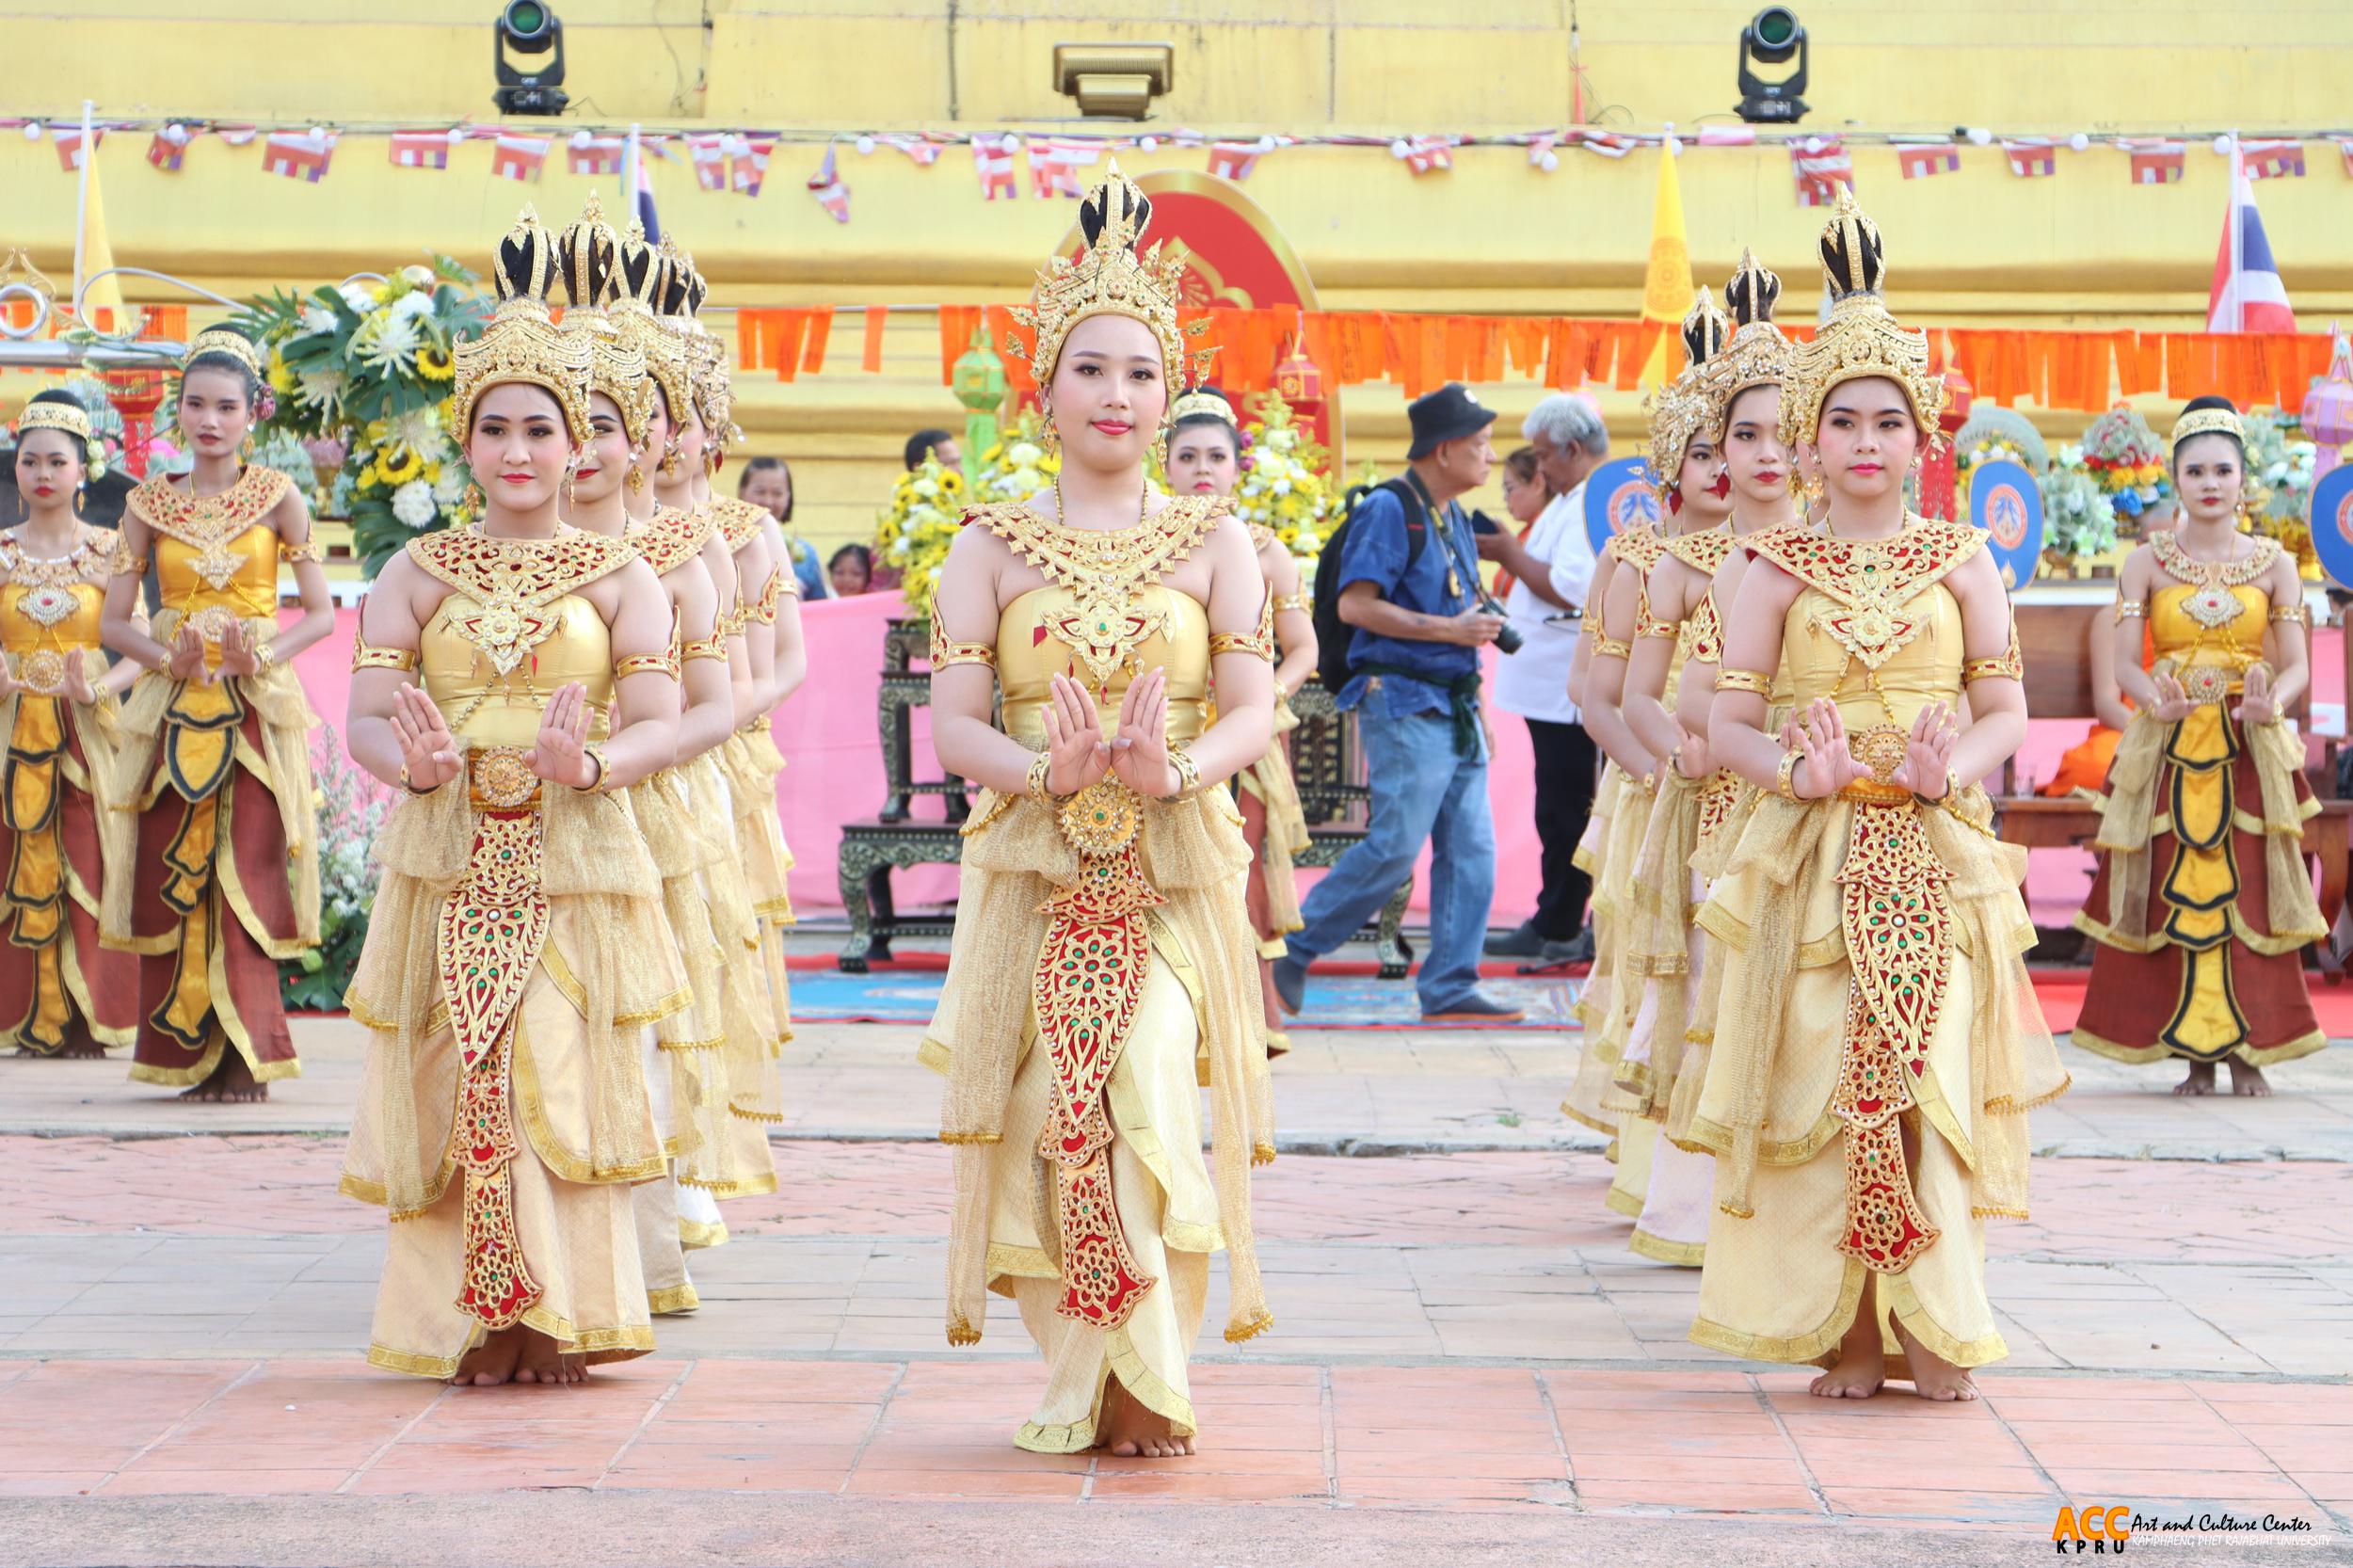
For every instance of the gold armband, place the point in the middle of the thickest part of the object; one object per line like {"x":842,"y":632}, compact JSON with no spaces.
{"x":2301,"y":615}
{"x":2009,"y":664}
{"x":309,"y":549}
{"x":135,"y":564}
{"x":1302,"y":600}
{"x":367,"y":656}
{"x":947,"y":652}
{"x":712,"y":646}
{"x":1752,"y":681}
{"x":1260,"y":642}
{"x":764,"y":608}
{"x":2126,"y":608}
{"x":665,"y":663}
{"x":1607,"y":646}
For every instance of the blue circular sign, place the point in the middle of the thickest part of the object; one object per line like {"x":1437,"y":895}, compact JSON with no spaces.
{"x":2005,"y":501}
{"x":1618,"y":496}
{"x":2333,"y":524}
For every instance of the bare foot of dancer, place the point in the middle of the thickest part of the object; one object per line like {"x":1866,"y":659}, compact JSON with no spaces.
{"x":2248,"y":1079}
{"x":491,"y":1363}
{"x":1131,"y":1432}
{"x":1932,"y":1376}
{"x":2201,"y":1079}
{"x":1861,"y":1359}
{"x":544,"y":1363}
{"x":232,"y":1081}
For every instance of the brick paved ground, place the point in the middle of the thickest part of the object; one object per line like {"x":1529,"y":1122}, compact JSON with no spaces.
{"x":1466,"y":1364}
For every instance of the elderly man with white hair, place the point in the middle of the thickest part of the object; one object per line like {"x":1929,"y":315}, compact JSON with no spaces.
{"x":1553,"y":567}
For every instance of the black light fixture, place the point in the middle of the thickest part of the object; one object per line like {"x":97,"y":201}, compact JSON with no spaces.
{"x":1771,"y":37}
{"x":529,"y":28}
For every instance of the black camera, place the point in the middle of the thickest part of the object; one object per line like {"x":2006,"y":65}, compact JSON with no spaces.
{"x":1509,"y":638}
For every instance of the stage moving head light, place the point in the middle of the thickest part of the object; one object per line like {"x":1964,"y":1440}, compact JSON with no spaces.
{"x":1771,"y":38}
{"x":529,"y":28}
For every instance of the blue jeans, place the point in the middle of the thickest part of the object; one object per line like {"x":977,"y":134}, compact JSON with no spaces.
{"x":1421,"y":792}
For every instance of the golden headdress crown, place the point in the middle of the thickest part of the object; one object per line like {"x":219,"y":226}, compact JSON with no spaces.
{"x":678,"y":296}
{"x":1861,"y":339}
{"x":1110,"y":277}
{"x":71,"y":418}
{"x":1758,"y":354}
{"x":1680,"y":410}
{"x":1203,"y":402}
{"x":638,"y":278}
{"x":587,"y":258}
{"x":221,"y":340}
{"x":522,"y":343}
{"x":2205,"y":422}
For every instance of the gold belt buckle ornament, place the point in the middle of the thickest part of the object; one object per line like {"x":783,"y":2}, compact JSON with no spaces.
{"x":501,"y":779}
{"x":42,"y":671}
{"x":2207,"y":685}
{"x":1880,"y":749}
{"x":1100,"y":819}
{"x":213,"y":623}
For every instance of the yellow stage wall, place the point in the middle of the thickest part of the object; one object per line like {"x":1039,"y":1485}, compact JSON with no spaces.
{"x":2085,"y":249}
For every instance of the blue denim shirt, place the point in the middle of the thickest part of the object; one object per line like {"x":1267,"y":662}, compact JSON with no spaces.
{"x":1374,"y":553}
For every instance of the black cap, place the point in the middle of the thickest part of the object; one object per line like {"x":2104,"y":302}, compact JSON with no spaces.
{"x":1447,"y":414}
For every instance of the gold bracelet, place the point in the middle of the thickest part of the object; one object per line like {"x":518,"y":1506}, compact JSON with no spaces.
{"x":1784,"y":779}
{"x":410,"y":787}
{"x":1188,"y":773}
{"x":265,"y":658}
{"x":596,"y":786}
{"x":1041,"y":768}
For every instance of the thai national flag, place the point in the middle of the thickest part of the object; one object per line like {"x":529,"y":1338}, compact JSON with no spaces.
{"x":2248,"y":294}
{"x":640,"y":183}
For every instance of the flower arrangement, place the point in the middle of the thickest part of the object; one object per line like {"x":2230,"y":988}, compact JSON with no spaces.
{"x":1018,"y":466}
{"x":352,"y":808}
{"x":2280,"y":464}
{"x":1286,"y":483}
{"x":2078,"y":515}
{"x":914,"y":533}
{"x":2125,"y":457}
{"x":363,"y":374}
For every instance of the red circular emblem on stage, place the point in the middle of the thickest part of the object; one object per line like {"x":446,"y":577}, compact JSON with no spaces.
{"x":2345,"y":518}
{"x":1632,"y":502}
{"x":2006,"y":517}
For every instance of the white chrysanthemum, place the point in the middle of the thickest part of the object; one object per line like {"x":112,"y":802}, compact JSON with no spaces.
{"x":316,"y":318}
{"x":359,"y":296}
{"x":419,"y":430}
{"x":388,"y":343}
{"x":410,"y":306}
{"x":319,"y":388}
{"x":413,"y":503}
{"x":451,"y":485}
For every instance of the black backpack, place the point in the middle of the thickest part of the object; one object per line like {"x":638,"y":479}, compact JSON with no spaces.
{"x":1332,"y":634}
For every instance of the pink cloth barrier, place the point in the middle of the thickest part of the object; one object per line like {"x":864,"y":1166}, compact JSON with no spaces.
{"x":827,"y":734}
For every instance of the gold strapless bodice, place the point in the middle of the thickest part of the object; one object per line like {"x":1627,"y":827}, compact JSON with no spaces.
{"x":1029,"y":656}
{"x":2182,"y":637}
{"x":247,"y":565}
{"x":485,"y":709}
{"x":1927,"y":669}
{"x":22,"y":633}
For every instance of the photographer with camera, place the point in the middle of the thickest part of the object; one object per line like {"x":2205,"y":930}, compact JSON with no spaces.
{"x":1401,"y":580}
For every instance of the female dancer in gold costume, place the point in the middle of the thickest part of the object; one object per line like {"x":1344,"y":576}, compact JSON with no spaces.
{"x":1204,"y":459}
{"x":1871,"y":1110}
{"x":212,"y":860}
{"x":1694,"y":500}
{"x":686,"y":1063}
{"x":512,"y":678}
{"x":66,"y":994}
{"x":2203,"y":906}
{"x":1737,"y":396}
{"x":1101,"y":945}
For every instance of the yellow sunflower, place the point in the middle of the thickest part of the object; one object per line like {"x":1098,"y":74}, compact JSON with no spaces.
{"x":435,"y":364}
{"x":397,"y":465}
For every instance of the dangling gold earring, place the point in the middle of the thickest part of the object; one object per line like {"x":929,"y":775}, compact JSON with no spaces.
{"x":670,"y":458}
{"x":476,"y":503}
{"x":570,"y":500}
{"x":245,"y":448}
{"x":1159,"y":450}
{"x":1048,"y":436}
{"x":636,"y":480}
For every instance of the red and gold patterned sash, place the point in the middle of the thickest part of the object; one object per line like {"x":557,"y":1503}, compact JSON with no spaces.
{"x":670,"y":537}
{"x":739,"y":521}
{"x":206,"y":523}
{"x":1870,"y":581}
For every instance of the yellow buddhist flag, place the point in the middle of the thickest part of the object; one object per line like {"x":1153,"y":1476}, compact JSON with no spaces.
{"x":93,"y":255}
{"x":1667,"y":292}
